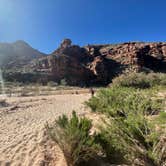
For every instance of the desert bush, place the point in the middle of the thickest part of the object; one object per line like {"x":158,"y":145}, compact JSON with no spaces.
{"x":63,"y":82}
{"x":73,"y":137}
{"x":158,"y":137}
{"x":161,"y":118}
{"x":120,"y":101}
{"x":125,"y":140}
{"x":140,"y":80}
{"x":159,"y":151}
{"x":52,"y":84}
{"x":127,"y":134}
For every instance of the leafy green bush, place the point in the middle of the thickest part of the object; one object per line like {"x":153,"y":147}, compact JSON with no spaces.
{"x":73,"y":137}
{"x":127,"y":134}
{"x":125,"y":140}
{"x":140,"y":80}
{"x":119,"y":101}
{"x":160,"y":119}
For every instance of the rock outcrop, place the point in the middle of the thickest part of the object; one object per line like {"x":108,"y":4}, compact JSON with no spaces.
{"x":98,"y":64}
{"x":138,"y":55}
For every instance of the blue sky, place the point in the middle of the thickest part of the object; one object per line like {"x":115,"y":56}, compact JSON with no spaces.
{"x":44,"y":23}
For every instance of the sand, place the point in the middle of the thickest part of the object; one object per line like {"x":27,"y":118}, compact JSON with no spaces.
{"x":23,"y":141}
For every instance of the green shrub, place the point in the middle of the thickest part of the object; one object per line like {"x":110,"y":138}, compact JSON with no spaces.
{"x":158,"y":152}
{"x":63,"y":82}
{"x":137,"y":80}
{"x":52,"y":84}
{"x":140,"y":80}
{"x":119,"y":101}
{"x":161,"y":118}
{"x":113,"y":145}
{"x":158,"y":137}
{"x":127,"y":133}
{"x":125,"y":140}
{"x":73,"y":137}
{"x":131,"y":138}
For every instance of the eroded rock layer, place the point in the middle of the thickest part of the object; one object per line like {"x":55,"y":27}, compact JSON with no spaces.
{"x":98,"y":64}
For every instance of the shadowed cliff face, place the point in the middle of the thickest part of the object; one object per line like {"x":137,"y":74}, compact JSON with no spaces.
{"x":77,"y":65}
{"x":98,"y":64}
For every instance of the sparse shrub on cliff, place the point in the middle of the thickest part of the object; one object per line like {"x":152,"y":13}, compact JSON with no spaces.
{"x":140,"y":80}
{"x":74,"y":139}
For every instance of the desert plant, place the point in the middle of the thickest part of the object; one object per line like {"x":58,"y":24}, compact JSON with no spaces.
{"x":158,"y":152}
{"x":137,"y":80}
{"x":125,"y":140}
{"x":140,"y":80}
{"x":52,"y":84}
{"x":119,"y":101}
{"x":63,"y":82}
{"x":127,"y":133}
{"x":158,"y":137}
{"x":161,"y":118}
{"x":73,"y":137}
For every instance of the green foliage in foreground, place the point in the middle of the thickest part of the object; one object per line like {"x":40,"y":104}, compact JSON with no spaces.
{"x":73,"y":137}
{"x":161,"y":119}
{"x":140,"y":80}
{"x":127,"y":134}
{"x":125,"y":140}
{"x":120,"y":101}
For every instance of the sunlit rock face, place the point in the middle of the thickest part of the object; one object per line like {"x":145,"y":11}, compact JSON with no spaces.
{"x":95,"y":64}
{"x":139,"y":55}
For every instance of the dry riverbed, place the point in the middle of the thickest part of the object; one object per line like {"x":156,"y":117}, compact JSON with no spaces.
{"x":23,"y":141}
